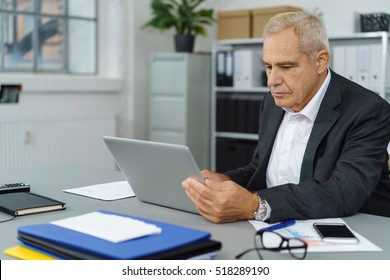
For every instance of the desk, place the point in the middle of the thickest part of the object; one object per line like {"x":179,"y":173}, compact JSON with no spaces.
{"x":235,"y":237}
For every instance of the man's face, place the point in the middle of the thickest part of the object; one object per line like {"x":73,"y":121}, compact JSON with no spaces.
{"x":292,"y":78}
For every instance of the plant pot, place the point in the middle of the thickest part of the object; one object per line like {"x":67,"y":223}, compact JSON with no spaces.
{"x":184,"y":43}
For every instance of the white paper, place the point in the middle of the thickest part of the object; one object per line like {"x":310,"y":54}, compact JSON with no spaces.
{"x":108,"y":191}
{"x":109,"y":227}
{"x":304,"y":230}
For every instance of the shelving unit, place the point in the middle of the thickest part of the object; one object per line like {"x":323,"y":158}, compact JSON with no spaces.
{"x":372,"y":72}
{"x":237,"y":140}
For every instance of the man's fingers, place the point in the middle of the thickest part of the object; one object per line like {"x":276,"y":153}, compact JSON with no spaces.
{"x":200,"y":192}
{"x":193,"y":185}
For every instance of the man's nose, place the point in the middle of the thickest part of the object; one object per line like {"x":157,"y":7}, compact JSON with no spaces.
{"x":273,"y":78}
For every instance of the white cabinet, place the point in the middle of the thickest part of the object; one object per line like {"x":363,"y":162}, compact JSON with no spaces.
{"x":180,"y":102}
{"x":362,"y":57}
{"x":39,"y":141}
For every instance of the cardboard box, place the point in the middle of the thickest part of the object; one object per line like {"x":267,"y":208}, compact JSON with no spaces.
{"x":261,"y":16}
{"x":234,"y":24}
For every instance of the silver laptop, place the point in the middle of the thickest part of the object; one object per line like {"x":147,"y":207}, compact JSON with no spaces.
{"x":155,"y":170}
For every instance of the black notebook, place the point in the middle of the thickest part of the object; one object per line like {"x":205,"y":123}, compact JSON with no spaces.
{"x":24,"y":203}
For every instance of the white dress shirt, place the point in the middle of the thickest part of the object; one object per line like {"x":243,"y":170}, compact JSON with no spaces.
{"x":289,"y":147}
{"x":290,"y":143}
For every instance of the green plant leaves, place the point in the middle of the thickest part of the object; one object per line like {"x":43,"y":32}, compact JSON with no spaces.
{"x":180,"y":15}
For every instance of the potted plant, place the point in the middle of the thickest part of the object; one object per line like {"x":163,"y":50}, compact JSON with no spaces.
{"x":184,"y":17}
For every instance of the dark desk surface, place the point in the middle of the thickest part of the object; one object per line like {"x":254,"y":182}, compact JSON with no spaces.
{"x":235,"y":237}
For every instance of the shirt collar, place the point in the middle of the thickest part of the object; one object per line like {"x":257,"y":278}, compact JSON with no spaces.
{"x":311,"y":109}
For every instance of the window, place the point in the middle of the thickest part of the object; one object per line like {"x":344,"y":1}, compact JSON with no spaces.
{"x":48,"y":36}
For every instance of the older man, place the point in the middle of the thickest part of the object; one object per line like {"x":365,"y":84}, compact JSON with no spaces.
{"x":322,"y":148}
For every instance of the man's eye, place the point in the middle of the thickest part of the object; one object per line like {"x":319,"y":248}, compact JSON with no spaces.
{"x":289,"y":66}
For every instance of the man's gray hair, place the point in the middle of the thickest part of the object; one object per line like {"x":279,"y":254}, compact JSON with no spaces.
{"x":309,"y":29}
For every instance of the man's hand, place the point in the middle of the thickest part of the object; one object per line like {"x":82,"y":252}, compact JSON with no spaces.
{"x":216,"y":177}
{"x":220,"y":200}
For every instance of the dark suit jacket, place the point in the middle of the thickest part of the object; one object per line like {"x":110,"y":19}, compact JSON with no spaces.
{"x":344,"y":168}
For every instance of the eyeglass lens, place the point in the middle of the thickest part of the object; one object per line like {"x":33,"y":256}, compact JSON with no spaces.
{"x":273,"y":241}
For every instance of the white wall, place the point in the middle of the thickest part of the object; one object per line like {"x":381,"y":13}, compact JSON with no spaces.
{"x":145,"y":42}
{"x":309,"y":5}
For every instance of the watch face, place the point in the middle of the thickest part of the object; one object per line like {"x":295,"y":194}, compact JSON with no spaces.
{"x":260,"y":216}
{"x":262,"y":211}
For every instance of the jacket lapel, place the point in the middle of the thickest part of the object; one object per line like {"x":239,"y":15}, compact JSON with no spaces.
{"x":267,"y":136}
{"x":326,"y":118}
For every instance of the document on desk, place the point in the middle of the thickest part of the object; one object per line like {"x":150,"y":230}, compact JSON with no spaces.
{"x":304,"y":230}
{"x":109,"y":227}
{"x":108,"y":191}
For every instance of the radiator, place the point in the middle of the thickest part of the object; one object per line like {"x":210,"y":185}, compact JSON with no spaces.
{"x":27,"y":143}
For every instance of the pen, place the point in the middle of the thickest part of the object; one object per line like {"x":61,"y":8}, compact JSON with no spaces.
{"x":280,"y":225}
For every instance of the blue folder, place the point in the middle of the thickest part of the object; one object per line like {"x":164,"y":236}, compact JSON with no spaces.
{"x":59,"y":238}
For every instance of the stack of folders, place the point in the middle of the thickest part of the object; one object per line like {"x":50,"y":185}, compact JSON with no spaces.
{"x":64,"y":242}
{"x":241,"y":68}
{"x":224,"y":69}
{"x":238,"y":112}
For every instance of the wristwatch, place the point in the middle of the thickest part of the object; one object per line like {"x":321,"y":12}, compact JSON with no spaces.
{"x":261,"y":212}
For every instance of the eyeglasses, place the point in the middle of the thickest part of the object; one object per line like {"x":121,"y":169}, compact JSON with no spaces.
{"x":272,"y":241}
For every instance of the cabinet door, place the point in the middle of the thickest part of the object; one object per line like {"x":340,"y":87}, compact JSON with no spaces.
{"x":31,"y":143}
{"x":168,"y":75}
{"x":168,"y":112}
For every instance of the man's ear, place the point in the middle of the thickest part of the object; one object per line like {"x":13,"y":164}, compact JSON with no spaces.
{"x":322,"y":60}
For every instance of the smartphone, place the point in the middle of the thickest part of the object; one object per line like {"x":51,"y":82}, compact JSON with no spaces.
{"x":336,"y":233}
